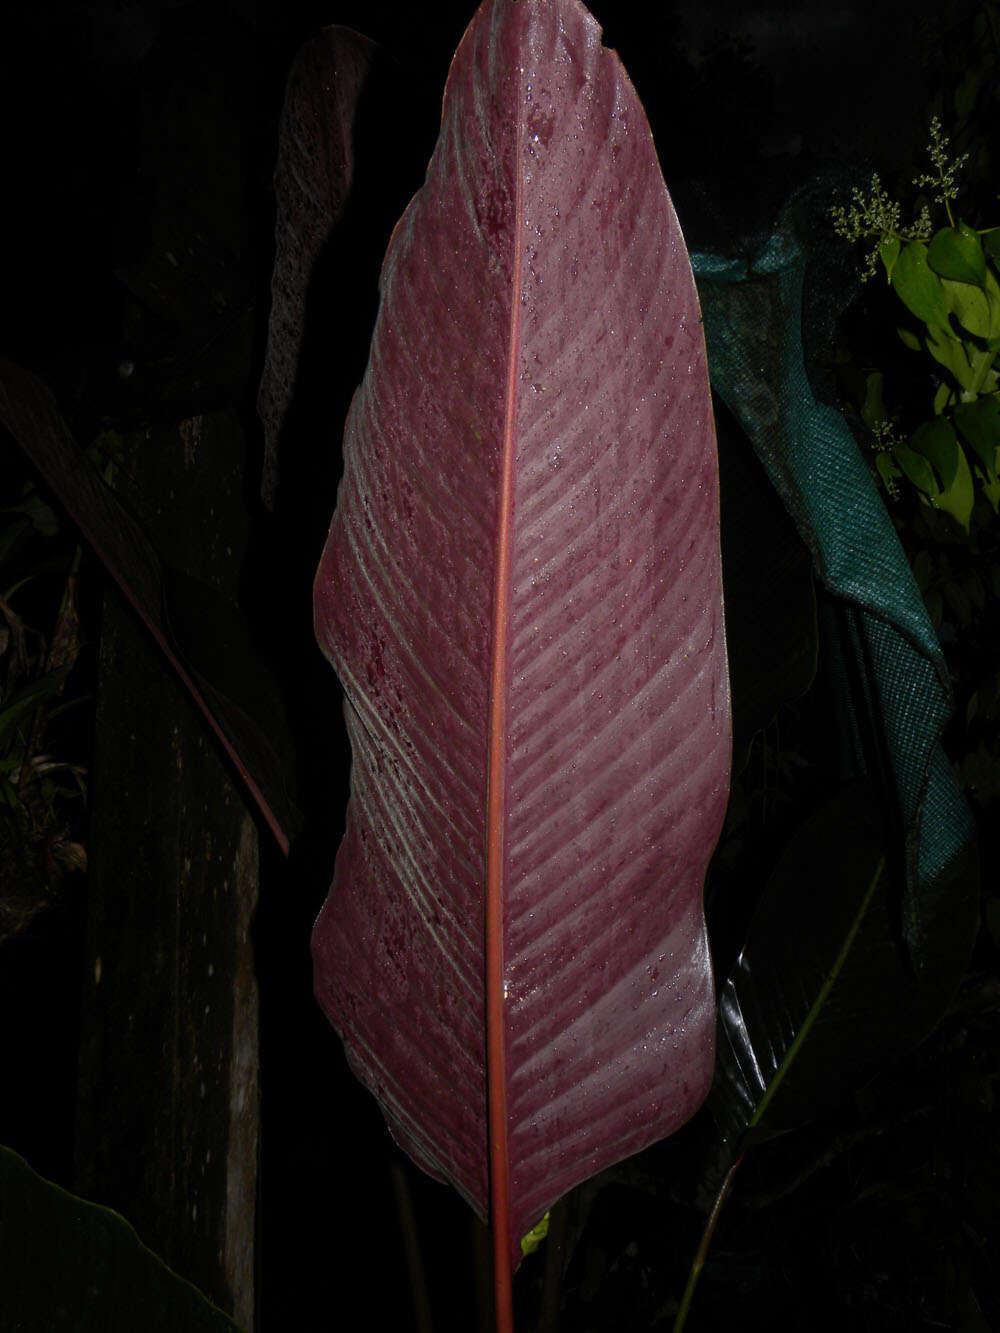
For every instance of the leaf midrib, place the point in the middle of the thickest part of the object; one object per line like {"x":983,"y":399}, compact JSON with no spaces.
{"x":496,"y":1072}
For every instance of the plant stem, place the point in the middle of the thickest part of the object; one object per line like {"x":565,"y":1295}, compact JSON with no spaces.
{"x":820,"y":999}
{"x":411,"y":1249}
{"x":706,"y":1240}
{"x":483,"y":1270}
{"x":772,"y":1087}
{"x":503,"y":1299}
{"x":555,"y":1258}
{"x":496,"y":783}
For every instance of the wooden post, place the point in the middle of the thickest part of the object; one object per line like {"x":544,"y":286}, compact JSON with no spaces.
{"x":168,"y":1107}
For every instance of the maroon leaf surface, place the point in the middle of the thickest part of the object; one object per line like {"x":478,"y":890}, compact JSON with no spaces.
{"x":311,"y":185}
{"x":521,"y":594}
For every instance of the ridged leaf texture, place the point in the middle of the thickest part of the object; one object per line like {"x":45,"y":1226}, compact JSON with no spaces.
{"x":521,"y":595}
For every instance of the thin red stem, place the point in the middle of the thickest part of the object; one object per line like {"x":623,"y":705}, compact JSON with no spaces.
{"x":706,"y":1238}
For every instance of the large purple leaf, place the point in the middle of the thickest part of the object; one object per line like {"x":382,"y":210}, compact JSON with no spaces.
{"x":521,"y":594}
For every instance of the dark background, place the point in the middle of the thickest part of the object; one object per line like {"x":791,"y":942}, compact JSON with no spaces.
{"x":128,"y":128}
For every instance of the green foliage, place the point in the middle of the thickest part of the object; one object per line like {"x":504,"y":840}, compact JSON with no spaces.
{"x":878,"y":215}
{"x":66,"y":1263}
{"x":943,"y":181}
{"x":936,"y":433}
{"x":948,"y":282}
{"x":534,"y":1238}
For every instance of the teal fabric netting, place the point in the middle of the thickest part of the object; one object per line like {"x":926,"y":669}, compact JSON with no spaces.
{"x":753,"y":315}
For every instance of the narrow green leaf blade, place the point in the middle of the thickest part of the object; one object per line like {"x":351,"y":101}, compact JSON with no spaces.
{"x":888,"y":252}
{"x":66,"y":1264}
{"x":806,"y":1014}
{"x":27,"y":699}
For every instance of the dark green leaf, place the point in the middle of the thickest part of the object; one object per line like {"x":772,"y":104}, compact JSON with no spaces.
{"x":969,"y":306}
{"x":936,"y":440}
{"x":66,"y":1264}
{"x":950,"y":352}
{"x":822,"y":994}
{"x":975,"y":588}
{"x":958,"y":602}
{"x":909,"y":339}
{"x":991,"y":243}
{"x":992,"y":290}
{"x":917,"y":469}
{"x":935,"y":607}
{"x":26,"y":699}
{"x":923,"y":569}
{"x":918,"y":286}
{"x":979,"y":423}
{"x":957,"y":253}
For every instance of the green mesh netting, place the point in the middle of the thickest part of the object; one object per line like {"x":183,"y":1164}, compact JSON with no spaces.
{"x":884,"y":653}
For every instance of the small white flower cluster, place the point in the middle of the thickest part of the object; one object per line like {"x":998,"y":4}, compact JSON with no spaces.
{"x":887,"y":435}
{"x":945,"y":184}
{"x":878,"y":215}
